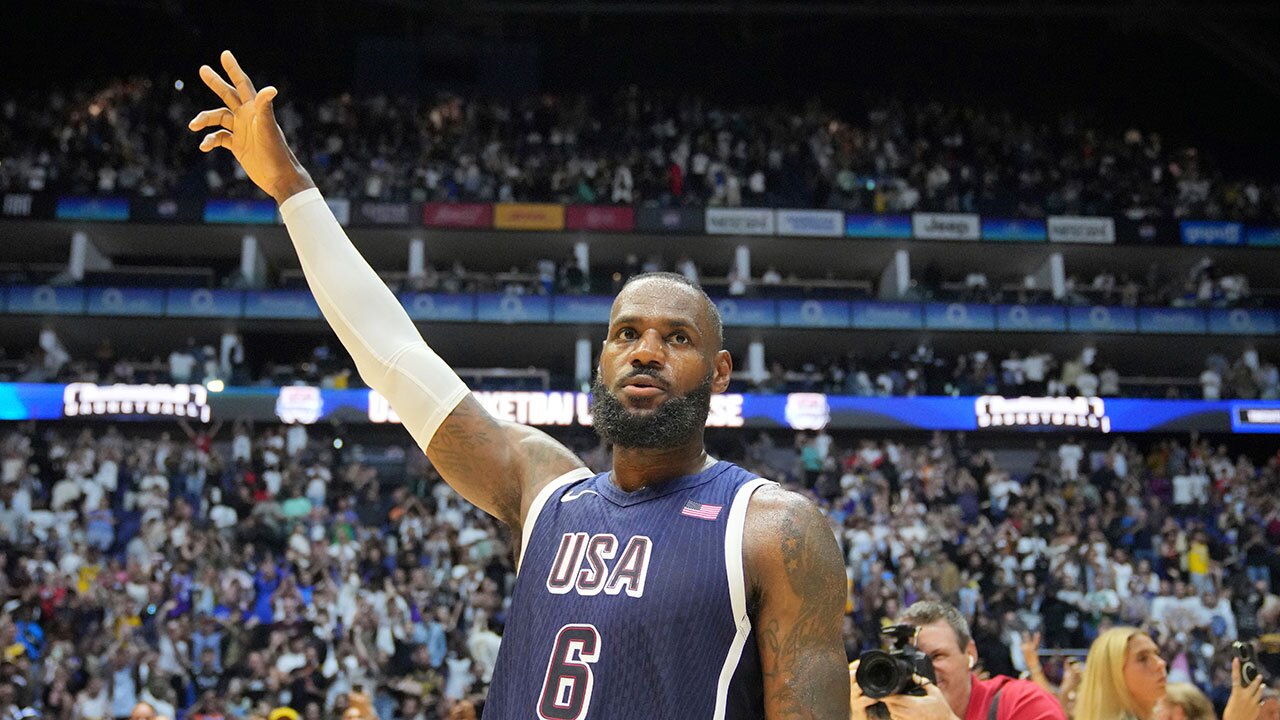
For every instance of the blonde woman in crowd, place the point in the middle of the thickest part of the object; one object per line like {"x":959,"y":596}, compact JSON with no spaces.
{"x":1125,"y":679}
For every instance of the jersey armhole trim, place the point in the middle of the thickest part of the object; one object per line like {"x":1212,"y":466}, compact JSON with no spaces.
{"x":734,"y":565}
{"x":540,"y":500}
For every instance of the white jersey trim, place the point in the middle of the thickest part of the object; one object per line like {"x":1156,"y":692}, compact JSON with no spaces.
{"x":733,"y":565}
{"x":541,"y":499}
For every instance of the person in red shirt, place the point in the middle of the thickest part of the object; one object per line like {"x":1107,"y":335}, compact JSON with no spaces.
{"x":943,"y":635}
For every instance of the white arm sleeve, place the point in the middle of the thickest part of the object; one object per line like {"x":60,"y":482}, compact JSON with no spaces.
{"x":390,"y":354}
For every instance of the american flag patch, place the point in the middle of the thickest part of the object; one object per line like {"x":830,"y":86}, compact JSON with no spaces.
{"x":702,"y":511}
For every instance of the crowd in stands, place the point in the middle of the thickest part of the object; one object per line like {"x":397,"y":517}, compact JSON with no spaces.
{"x":1177,"y":538}
{"x":227,"y":575}
{"x":921,"y":371}
{"x":634,"y":147}
{"x":1204,"y":284}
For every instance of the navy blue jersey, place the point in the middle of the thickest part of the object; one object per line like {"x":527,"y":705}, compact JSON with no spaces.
{"x":632,"y":605}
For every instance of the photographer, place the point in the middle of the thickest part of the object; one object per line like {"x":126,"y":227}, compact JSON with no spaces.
{"x":956,"y":694}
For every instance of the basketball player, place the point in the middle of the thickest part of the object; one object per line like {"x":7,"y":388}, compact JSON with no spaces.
{"x":674,"y":586}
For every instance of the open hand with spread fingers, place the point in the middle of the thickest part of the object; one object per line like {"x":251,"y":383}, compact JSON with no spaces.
{"x":247,"y":127}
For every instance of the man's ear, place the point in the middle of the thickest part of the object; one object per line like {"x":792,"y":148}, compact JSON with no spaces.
{"x":723,"y":371}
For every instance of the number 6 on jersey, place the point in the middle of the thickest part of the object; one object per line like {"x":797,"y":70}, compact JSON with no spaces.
{"x":566,"y":693}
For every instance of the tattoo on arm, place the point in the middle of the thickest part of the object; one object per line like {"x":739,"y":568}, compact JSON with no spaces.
{"x":496,"y":465}
{"x":470,"y":452}
{"x":802,"y":605}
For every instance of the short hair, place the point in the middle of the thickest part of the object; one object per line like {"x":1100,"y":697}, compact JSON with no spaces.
{"x":927,"y":612}
{"x":717,"y":323}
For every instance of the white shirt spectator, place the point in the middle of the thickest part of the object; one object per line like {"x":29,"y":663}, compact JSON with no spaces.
{"x":1190,"y":489}
{"x":272,"y":479}
{"x":301,"y":547}
{"x":153,"y":503}
{"x":884,"y":385}
{"x":1123,"y":573}
{"x":1016,"y":369}
{"x":295,"y":439}
{"x":455,"y":688}
{"x":92,"y":493}
{"x":124,"y":691}
{"x":483,"y":645}
{"x":737,"y":285}
{"x":1001,"y":489}
{"x":1109,"y":382}
{"x":1069,"y":456}
{"x":10,"y":467}
{"x":230,"y":353}
{"x":1223,"y":610}
{"x":687,"y":268}
{"x":170,"y":652}
{"x":55,"y":355}
{"x":622,"y":185}
{"x":241,"y":447}
{"x":316,"y":491}
{"x":699,"y":163}
{"x":11,"y":522}
{"x":290,"y":661}
{"x":65,"y":492}
{"x":861,"y":545}
{"x":70,"y":563}
{"x":1087,"y":383}
{"x":471,"y":535}
{"x":275,"y":441}
{"x":1088,"y":354}
{"x":154,"y":481}
{"x":223,"y":517}
{"x":1103,"y":600}
{"x":1034,"y":366}
{"x":1211,"y":384}
{"x":822,"y":443}
{"x":93,"y":707}
{"x":181,"y":365}
{"x":108,"y":475}
{"x":1121,"y":465}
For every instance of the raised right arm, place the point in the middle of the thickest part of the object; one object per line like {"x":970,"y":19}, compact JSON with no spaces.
{"x":495,"y":465}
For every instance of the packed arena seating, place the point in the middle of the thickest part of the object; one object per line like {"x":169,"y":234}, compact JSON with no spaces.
{"x":1204,"y":286}
{"x":893,"y":373}
{"x":218,"y":572}
{"x":287,"y":572}
{"x":634,"y":147}
{"x":1037,"y":373}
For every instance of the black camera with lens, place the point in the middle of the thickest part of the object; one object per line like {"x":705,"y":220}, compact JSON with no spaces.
{"x":882,"y":673}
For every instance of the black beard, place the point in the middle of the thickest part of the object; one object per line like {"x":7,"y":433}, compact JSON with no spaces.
{"x":672,"y":424}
